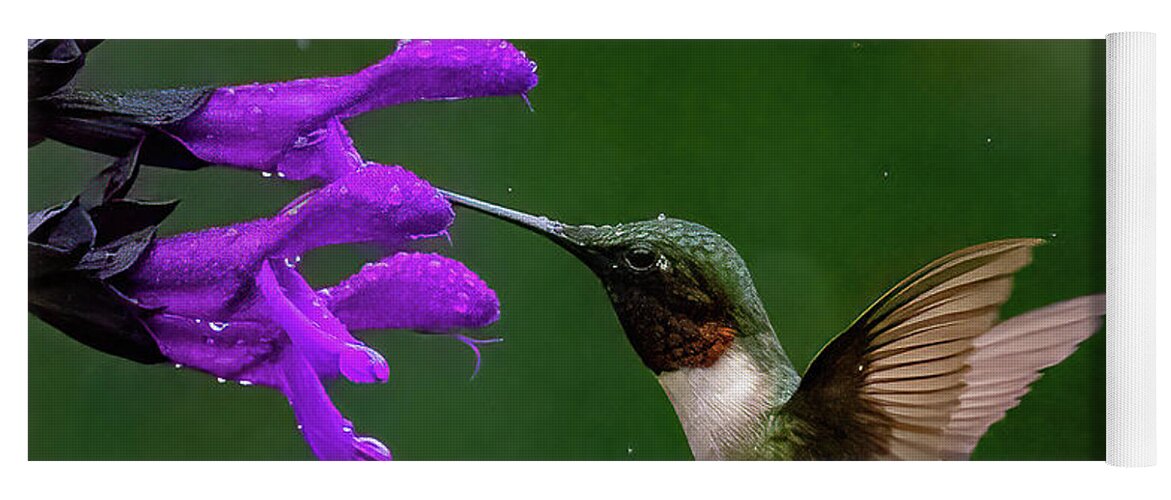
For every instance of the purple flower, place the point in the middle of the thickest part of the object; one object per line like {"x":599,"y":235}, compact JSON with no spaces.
{"x":229,"y":301}
{"x":289,"y":129}
{"x":232,"y":304}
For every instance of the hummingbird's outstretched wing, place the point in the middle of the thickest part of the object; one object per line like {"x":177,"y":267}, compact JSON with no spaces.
{"x":925,"y":370}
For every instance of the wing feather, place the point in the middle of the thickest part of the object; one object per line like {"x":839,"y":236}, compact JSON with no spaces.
{"x":926,"y":369}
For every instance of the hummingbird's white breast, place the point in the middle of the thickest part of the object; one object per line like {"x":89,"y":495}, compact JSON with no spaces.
{"x":720,"y":406}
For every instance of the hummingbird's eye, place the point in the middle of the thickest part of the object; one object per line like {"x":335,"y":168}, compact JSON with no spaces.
{"x":641,"y":259}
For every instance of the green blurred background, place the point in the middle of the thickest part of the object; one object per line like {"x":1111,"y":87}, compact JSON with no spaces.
{"x":835,"y":167}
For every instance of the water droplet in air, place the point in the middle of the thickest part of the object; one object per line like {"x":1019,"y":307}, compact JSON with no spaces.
{"x":178,"y":366}
{"x":1052,"y":235}
{"x":509,"y":189}
{"x":217,"y":326}
{"x":221,"y":379}
{"x":662,"y":217}
{"x":886,"y":174}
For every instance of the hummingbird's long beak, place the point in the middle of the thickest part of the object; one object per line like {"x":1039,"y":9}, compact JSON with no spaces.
{"x":551,"y":229}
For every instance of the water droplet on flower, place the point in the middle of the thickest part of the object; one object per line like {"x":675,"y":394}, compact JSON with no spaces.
{"x":662,"y":217}
{"x":221,"y":379}
{"x":280,"y":175}
{"x":402,"y":43}
{"x":347,"y":429}
{"x":230,"y":91}
{"x":266,"y":174}
{"x":178,"y":366}
{"x":291,"y":262}
{"x":502,"y":45}
{"x":210,"y":341}
{"x":461,"y":303}
{"x":217,"y":326}
{"x":245,"y":383}
{"x":314,"y":137}
{"x":300,"y":427}
{"x":396,"y":195}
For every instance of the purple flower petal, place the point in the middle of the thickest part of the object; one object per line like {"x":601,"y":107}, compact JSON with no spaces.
{"x":447,"y":70}
{"x":424,"y":292}
{"x":329,"y":434}
{"x":295,"y":128}
{"x":209,"y":274}
{"x":314,"y":331}
{"x":239,"y":350}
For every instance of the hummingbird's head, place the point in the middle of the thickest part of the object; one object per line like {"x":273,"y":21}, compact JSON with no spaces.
{"x":676,"y":286}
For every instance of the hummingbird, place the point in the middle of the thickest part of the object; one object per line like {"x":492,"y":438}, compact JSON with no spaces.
{"x":920,"y":375}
